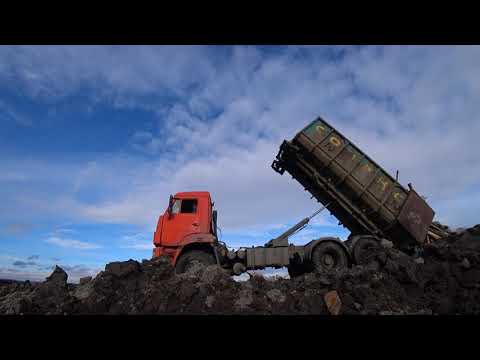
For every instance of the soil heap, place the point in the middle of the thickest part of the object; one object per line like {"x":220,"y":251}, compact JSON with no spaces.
{"x":443,"y":279}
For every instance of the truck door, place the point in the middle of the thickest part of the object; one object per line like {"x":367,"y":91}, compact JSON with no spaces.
{"x":185,"y":220}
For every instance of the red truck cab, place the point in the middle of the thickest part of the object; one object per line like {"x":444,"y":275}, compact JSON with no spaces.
{"x":187,"y":230}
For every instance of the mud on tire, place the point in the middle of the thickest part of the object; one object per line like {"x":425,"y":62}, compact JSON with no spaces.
{"x":329,"y":256}
{"x":191,"y":258}
{"x":364,"y":250}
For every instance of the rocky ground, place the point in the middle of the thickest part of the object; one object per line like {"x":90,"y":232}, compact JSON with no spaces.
{"x":443,"y":279}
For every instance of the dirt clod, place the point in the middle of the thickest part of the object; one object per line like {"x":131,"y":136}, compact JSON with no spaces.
{"x":85,"y":280}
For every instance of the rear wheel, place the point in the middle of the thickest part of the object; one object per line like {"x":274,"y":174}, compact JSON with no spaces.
{"x":193,"y":258}
{"x":364,"y":250}
{"x":329,"y":256}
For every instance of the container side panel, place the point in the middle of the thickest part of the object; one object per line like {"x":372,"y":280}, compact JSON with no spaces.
{"x":349,"y":158}
{"x":332,"y":145}
{"x":381,"y":186}
{"x":396,"y":199}
{"x":364,"y":172}
{"x":317,"y":131}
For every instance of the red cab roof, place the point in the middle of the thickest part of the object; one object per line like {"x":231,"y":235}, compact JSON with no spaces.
{"x":193,"y":194}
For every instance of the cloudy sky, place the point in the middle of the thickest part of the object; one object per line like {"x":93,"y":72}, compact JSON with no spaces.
{"x":94,"y":139}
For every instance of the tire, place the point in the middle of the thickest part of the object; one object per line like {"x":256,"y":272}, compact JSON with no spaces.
{"x":329,"y":256}
{"x":191,"y":257}
{"x":362,"y":250}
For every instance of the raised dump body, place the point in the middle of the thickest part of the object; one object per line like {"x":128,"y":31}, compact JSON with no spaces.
{"x":359,"y":193}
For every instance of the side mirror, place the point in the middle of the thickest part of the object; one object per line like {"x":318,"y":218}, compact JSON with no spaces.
{"x":170,"y":206}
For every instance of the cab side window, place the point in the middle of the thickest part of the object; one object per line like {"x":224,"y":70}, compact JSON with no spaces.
{"x":188,"y":206}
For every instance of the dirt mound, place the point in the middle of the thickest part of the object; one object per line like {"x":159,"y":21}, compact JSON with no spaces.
{"x":443,"y":279}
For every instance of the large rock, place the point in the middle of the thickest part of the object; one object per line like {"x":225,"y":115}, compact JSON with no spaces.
{"x":333,"y":302}
{"x":123,"y":268}
{"x":85,"y":280}
{"x":58,"y":276}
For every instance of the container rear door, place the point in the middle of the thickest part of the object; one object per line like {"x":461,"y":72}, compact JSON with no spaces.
{"x":416,"y":216}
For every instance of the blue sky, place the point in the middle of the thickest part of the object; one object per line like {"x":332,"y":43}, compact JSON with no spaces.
{"x":93,"y":139}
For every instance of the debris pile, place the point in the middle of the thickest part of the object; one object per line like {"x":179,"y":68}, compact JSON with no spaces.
{"x":443,"y":279}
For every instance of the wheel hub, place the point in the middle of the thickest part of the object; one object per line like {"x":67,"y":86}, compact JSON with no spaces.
{"x":328,"y":260}
{"x":191,"y":265}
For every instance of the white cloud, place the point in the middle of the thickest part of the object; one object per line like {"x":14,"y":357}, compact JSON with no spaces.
{"x":65,"y":231}
{"x":10,"y":257}
{"x":53,"y":72}
{"x":144,"y":141}
{"x":74,"y":273}
{"x":145,"y":245}
{"x":72,"y":244}
{"x":137,"y":242}
{"x":20,"y":275}
{"x":410,"y":108}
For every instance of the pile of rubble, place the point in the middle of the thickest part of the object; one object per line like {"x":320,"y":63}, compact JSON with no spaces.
{"x":443,"y":279}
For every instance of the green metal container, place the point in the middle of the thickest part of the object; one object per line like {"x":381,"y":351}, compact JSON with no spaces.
{"x":362,"y":195}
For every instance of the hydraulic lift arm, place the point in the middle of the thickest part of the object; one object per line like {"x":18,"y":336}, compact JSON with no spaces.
{"x":282,"y":240}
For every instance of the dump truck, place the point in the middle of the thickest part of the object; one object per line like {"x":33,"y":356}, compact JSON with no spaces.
{"x":365,"y":199}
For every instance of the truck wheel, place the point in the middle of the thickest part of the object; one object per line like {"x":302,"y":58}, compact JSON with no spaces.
{"x":329,"y":256}
{"x":363,"y":250}
{"x":193,"y":258}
